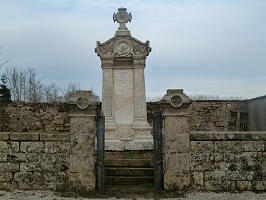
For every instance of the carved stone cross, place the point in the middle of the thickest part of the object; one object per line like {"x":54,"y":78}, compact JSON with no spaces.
{"x":122,"y":17}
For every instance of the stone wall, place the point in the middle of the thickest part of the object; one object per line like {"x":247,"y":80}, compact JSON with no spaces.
{"x":256,"y":114}
{"x":31,"y":117}
{"x":228,"y":161}
{"x":34,"y":161}
{"x":204,"y":116}
{"x":208,"y":160}
{"x":61,"y":161}
{"x":216,"y":115}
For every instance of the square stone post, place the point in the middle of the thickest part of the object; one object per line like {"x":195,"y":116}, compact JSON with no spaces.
{"x":83,"y":110}
{"x":176,"y":130}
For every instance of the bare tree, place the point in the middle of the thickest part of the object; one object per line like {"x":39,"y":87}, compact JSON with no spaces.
{"x":2,"y":64}
{"x":69,"y":90}
{"x":154,"y":99}
{"x":213,"y":97}
{"x":34,"y":87}
{"x":24,"y":85}
{"x":52,"y":93}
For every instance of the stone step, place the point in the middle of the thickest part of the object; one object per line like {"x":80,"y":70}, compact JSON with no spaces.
{"x":125,"y":180}
{"x":129,"y":163}
{"x":128,"y":171}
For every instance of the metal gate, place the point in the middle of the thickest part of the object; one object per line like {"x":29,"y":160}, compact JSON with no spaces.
{"x":158,"y":151}
{"x":100,"y":173}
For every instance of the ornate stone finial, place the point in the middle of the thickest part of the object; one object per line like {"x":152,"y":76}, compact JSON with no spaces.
{"x":122,"y":17}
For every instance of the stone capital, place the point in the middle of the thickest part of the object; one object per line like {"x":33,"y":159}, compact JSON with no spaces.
{"x":176,"y":98}
{"x":107,"y":64}
{"x":83,"y":100}
{"x":139,"y":63}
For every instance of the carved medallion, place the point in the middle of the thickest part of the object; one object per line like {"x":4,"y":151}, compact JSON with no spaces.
{"x":82,"y":102}
{"x":123,"y":48}
{"x":176,"y":101}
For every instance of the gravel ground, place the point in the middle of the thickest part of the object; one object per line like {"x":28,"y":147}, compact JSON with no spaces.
{"x":49,"y":195}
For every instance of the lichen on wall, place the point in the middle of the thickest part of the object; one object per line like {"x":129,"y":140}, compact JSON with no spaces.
{"x":29,"y":117}
{"x":215,"y":115}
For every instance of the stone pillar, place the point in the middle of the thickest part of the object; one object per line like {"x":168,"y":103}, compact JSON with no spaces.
{"x":83,"y":109}
{"x":176,"y":130}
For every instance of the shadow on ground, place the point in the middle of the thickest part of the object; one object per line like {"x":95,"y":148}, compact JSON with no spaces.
{"x":131,"y":192}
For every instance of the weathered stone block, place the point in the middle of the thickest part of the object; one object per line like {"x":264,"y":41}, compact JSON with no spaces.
{"x":55,"y":137}
{"x":62,"y":183}
{"x":9,"y":147}
{"x":4,"y":135}
{"x":225,"y":166}
{"x":214,"y":175}
{"x":82,"y":163}
{"x":56,"y":147}
{"x":198,"y":180}
{"x":202,"y":157}
{"x":208,"y":165}
{"x":176,"y":181}
{"x":15,"y":157}
{"x":239,"y":175}
{"x":248,"y":166}
{"x":53,"y":158}
{"x":82,"y":143}
{"x":259,"y":185}
{"x":240,"y":157}
{"x":82,"y":124}
{"x":6,"y":176}
{"x":37,"y":167}
{"x":261,"y":156}
{"x":34,"y":180}
{"x":214,"y":185}
{"x":252,"y":145}
{"x":227,"y":136}
{"x":31,"y":157}
{"x":179,"y":162}
{"x":181,"y":144}
{"x":8,"y":186}
{"x":176,"y":124}
{"x":9,"y":167}
{"x":81,"y":182}
{"x":201,"y":146}
{"x":227,"y":146}
{"x":24,"y":136}
{"x":218,"y":157}
{"x":32,"y":147}
{"x":244,"y":185}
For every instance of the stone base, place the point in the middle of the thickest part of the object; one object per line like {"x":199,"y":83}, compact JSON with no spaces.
{"x":118,"y":145}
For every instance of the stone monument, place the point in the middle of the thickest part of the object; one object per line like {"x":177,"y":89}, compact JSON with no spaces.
{"x":123,"y":59}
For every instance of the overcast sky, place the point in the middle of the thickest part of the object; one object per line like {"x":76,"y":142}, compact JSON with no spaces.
{"x":201,"y":46}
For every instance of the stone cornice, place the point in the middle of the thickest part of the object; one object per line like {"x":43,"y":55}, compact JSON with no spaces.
{"x":122,"y":46}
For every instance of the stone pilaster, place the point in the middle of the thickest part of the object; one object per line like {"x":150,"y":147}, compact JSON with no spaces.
{"x":176,"y":130}
{"x":108,"y":98}
{"x":83,"y":109}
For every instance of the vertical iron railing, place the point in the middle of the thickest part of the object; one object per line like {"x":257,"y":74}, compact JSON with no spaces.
{"x":158,"y":151}
{"x":100,"y":173}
